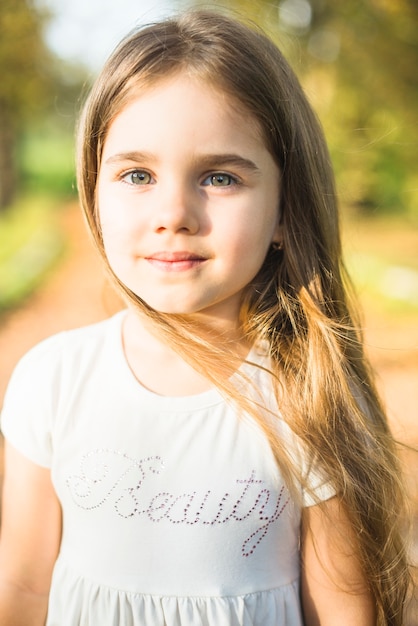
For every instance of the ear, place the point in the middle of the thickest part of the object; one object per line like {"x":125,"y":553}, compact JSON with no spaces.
{"x":278,"y":234}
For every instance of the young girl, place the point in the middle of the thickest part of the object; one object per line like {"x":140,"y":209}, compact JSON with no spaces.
{"x":216,"y":453}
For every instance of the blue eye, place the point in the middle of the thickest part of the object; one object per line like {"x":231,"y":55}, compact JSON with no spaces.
{"x":219,"y":180}
{"x":138,"y":177}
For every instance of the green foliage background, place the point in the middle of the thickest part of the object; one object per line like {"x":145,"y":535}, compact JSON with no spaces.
{"x":357,"y":61}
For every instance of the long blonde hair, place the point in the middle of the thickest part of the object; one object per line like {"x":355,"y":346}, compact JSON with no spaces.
{"x":298,"y":303}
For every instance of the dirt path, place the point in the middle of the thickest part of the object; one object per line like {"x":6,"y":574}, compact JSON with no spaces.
{"x":72,"y":295}
{"x":75,"y":293}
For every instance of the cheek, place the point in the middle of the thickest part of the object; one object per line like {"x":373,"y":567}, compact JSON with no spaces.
{"x":115,"y":224}
{"x":256,"y":234}
{"x":109,"y":208}
{"x":115,"y":237}
{"x":247,"y":252}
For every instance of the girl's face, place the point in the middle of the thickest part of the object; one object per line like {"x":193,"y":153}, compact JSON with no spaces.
{"x":188,"y":198}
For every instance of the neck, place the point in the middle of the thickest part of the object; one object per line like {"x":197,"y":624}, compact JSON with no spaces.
{"x":160,"y":367}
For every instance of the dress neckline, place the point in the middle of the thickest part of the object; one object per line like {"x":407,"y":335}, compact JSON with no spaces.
{"x":204,"y":399}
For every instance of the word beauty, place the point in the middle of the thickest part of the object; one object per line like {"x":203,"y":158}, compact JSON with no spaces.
{"x":111,"y":476}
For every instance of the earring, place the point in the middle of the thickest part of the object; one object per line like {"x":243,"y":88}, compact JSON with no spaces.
{"x":277,"y":245}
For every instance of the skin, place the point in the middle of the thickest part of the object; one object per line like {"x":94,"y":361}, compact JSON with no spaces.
{"x":333,"y":587}
{"x":27,"y":550}
{"x":182,"y":207}
{"x":188,"y":199}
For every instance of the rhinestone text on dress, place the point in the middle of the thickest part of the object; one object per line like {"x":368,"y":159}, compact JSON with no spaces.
{"x":112,"y":476}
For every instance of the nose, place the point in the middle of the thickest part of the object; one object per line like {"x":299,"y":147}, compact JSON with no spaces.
{"x":177,"y":209}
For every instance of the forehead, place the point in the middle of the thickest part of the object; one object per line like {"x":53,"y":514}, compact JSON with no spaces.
{"x":184,"y":97}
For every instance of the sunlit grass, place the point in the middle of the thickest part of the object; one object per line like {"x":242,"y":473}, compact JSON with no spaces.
{"x":382,"y":258}
{"x":393,"y":287}
{"x":30,"y":243}
{"x":47,"y":161}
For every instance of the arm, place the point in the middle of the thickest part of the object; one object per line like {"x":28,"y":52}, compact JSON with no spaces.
{"x":334,"y":590}
{"x":30,"y":538}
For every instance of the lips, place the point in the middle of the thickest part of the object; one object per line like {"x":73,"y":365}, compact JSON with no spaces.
{"x":175,"y":261}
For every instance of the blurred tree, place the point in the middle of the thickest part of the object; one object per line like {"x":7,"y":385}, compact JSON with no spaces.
{"x":370,"y":49}
{"x":25,"y":82}
{"x":374,"y":43}
{"x":358,"y":61}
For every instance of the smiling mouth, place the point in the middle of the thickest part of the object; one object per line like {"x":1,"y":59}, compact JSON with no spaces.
{"x":175,"y":261}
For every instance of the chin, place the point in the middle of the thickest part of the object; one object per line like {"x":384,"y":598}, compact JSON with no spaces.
{"x":167,"y":308}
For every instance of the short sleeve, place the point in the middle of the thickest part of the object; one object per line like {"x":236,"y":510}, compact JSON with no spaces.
{"x":318,"y":488}
{"x":27,"y":414}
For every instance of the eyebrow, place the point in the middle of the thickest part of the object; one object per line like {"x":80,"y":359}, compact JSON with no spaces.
{"x":220,"y":160}
{"x":130,"y":156}
{"x":206,"y":160}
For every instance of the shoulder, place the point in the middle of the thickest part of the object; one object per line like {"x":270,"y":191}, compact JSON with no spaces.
{"x":49,"y":361}
{"x":71,"y":344}
{"x":46,"y":378}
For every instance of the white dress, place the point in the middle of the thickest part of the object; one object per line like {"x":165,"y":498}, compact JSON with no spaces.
{"x":174,"y":512}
